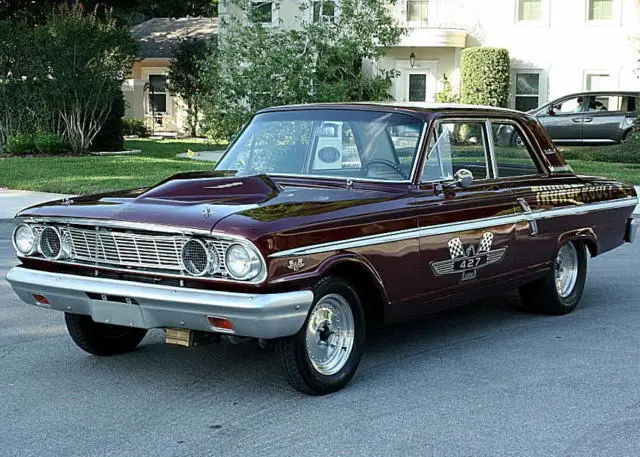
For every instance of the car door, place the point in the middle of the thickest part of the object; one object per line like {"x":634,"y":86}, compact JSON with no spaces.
{"x":602,"y":119}
{"x":466,"y":232}
{"x":564,"y":120}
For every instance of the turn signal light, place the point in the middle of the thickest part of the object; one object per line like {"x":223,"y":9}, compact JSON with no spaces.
{"x":41,"y":299}
{"x":220,"y":323}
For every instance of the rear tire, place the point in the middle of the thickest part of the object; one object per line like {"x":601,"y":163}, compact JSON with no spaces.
{"x":336,"y":320}
{"x":102,"y":339}
{"x":560,"y":290}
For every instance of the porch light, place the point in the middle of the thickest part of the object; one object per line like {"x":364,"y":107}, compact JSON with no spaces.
{"x":412,"y":59}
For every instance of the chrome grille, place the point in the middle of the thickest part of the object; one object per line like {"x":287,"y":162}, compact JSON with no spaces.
{"x":126,"y":249}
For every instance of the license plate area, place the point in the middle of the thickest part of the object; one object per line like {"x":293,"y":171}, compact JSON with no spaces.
{"x":116,"y":310}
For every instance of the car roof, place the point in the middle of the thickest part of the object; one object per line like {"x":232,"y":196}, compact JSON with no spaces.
{"x":623,"y":93}
{"x":405,"y":106}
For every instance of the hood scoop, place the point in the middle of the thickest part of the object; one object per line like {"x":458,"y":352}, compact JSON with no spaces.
{"x":213,"y":188}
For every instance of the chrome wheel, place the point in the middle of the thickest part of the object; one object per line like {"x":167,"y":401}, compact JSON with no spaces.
{"x":330,"y":334}
{"x":566,"y":269}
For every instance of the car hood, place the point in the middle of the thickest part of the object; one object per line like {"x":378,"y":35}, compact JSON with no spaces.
{"x":200,"y":201}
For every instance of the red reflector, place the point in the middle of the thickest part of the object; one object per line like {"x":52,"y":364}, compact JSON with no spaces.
{"x":220,"y":323}
{"x":41,"y":299}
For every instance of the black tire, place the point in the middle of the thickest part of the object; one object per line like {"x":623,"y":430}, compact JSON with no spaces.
{"x":542,"y":296}
{"x":300,"y":372}
{"x":102,"y":339}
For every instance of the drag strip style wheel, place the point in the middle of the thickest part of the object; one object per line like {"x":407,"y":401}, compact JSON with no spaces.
{"x":324,"y":355}
{"x":102,"y":339}
{"x":559,"y":291}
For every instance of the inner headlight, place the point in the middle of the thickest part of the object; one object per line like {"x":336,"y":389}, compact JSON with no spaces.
{"x":242,"y":262}
{"x":24,"y":239}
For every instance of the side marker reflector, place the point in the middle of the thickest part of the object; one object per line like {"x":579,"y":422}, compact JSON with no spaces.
{"x":41,"y":299}
{"x":221,"y":324}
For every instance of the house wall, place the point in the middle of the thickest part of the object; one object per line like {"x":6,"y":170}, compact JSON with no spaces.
{"x":137,"y":98}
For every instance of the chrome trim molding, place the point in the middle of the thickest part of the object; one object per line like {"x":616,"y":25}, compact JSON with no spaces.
{"x":454,"y":227}
{"x":253,"y":315}
{"x":107,"y":223}
{"x":533,"y":225}
{"x":563,"y":168}
{"x":632,"y":230}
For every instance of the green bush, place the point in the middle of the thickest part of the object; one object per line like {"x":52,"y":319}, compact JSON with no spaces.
{"x":51,"y":143}
{"x":621,"y":153}
{"x":111,"y":135}
{"x":485,"y":76}
{"x":20,"y":144}
{"x":447,"y":95}
{"x":135,"y":127}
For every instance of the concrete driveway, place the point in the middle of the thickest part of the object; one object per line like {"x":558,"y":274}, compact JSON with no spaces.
{"x":485,"y":380}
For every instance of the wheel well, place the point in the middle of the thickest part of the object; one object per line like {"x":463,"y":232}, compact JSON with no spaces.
{"x":368,"y":288}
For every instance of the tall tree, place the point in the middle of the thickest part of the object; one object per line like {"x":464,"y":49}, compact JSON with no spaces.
{"x":319,"y":61}
{"x":186,"y":77}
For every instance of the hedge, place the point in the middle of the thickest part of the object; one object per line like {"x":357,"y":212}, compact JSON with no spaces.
{"x":485,"y":76}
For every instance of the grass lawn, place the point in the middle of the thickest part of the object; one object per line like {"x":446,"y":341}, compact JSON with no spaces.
{"x":85,"y":175}
{"x":92,"y":174}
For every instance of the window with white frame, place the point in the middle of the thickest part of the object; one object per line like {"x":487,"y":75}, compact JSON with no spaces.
{"x":323,"y":10}
{"x":597,"y":81}
{"x":529,"y":10}
{"x":527,"y":90}
{"x":158,"y":93}
{"x":263,"y":12}
{"x":418,"y":13}
{"x":600,"y":10}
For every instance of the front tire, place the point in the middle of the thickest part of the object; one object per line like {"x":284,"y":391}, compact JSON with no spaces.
{"x":560,"y":290}
{"x":324,"y":355}
{"x":102,"y":339}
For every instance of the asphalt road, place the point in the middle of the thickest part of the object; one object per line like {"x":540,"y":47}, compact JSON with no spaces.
{"x":485,"y":380}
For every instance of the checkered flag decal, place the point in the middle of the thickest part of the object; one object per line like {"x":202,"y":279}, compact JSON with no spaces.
{"x":455,"y":248}
{"x":486,"y":242}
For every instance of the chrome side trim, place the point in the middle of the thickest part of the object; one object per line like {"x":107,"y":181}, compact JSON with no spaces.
{"x":254,"y":315}
{"x":454,"y":227}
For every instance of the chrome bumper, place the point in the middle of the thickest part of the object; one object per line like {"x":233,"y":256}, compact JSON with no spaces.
{"x":632,"y":230}
{"x":154,"y":306}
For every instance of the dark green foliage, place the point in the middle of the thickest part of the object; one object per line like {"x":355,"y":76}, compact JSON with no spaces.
{"x":485,"y":76}
{"x":135,"y":127}
{"x":186,"y":77}
{"x":20,"y":144}
{"x":628,"y":152}
{"x":111,"y":136}
{"x":51,"y":144}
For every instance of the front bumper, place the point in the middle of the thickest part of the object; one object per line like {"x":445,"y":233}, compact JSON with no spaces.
{"x":632,"y":230}
{"x":154,"y":306}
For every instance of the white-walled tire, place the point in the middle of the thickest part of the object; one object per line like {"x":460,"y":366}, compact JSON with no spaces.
{"x":560,"y":290}
{"x":324,"y":355}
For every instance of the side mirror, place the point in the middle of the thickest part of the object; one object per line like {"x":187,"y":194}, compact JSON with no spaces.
{"x":551,"y":111}
{"x":463,"y":178}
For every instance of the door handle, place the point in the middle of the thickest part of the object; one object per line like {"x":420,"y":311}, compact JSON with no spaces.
{"x":588,"y":119}
{"x":577,"y":120}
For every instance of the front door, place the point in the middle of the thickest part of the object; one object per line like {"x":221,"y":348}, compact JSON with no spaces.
{"x":467,"y":234}
{"x":603,"y":118}
{"x":564,"y":122}
{"x":420,"y":85}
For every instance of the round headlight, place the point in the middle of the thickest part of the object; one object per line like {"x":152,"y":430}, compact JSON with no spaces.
{"x":198,"y":259}
{"x":24,"y":239}
{"x":241,"y":262}
{"x":51,"y":243}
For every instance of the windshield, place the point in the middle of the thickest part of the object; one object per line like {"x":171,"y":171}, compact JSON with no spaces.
{"x":331,"y":143}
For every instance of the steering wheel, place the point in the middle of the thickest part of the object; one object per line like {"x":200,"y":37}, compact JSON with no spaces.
{"x":388,"y":163}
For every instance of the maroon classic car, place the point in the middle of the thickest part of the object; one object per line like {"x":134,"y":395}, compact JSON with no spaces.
{"x":319,"y":222}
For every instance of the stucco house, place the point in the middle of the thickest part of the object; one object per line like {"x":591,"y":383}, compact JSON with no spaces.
{"x":146,"y":88}
{"x":556,"y":46}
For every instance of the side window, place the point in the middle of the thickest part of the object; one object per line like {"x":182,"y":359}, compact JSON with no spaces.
{"x":513,"y":157}
{"x":571,"y":106}
{"x":456,"y":146}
